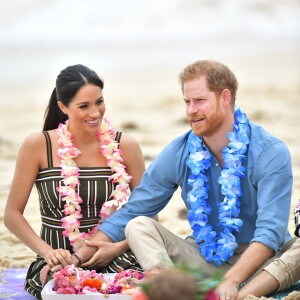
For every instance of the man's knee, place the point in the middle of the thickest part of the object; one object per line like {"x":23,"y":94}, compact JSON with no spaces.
{"x":282,"y":272}
{"x":136,"y":224}
{"x":286,"y":268}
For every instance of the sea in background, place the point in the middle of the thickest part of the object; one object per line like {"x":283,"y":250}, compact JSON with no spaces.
{"x":139,"y":48}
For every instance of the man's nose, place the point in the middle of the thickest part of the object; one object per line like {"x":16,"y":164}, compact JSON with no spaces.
{"x":192,"y":108}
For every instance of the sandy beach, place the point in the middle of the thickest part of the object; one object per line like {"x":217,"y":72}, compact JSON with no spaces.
{"x":154,"y":129}
{"x":139,"y":50}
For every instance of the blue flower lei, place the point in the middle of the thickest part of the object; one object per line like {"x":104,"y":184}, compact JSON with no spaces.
{"x":217,"y":249}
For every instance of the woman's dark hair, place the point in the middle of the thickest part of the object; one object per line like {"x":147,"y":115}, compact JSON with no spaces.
{"x":68,"y":83}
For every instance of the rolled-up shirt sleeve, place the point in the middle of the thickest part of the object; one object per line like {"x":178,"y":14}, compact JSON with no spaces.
{"x":156,"y":188}
{"x":273,"y":195}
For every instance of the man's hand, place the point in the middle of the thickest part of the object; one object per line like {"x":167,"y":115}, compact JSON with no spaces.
{"x":106,"y":252}
{"x":227,"y":290}
{"x":250,"y":261}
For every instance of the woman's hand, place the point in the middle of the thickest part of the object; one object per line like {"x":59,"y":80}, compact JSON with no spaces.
{"x":106,"y":252}
{"x":74,"y":261}
{"x":58,"y":257}
{"x":63,"y":260}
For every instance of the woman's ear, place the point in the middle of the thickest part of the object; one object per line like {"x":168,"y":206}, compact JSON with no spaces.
{"x":61,"y":106}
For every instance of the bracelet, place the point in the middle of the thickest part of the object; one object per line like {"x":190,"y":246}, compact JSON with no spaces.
{"x":79,"y":259}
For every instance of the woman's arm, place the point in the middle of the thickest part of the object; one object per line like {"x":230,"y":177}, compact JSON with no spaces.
{"x":133,"y":159}
{"x":26,"y":170}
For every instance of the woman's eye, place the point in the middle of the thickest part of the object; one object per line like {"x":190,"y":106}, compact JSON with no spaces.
{"x":83,"y":106}
{"x":98,"y":102}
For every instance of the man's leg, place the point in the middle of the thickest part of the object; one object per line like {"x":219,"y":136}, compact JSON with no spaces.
{"x":279,"y":274}
{"x":286,"y":266}
{"x":154,"y":245}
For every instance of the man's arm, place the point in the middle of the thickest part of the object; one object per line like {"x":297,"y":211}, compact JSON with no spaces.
{"x":156,"y":188}
{"x":274,"y":188}
{"x":250,"y":261}
{"x":86,"y":252}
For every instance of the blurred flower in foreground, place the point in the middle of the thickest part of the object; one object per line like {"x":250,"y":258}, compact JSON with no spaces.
{"x":183,"y":283}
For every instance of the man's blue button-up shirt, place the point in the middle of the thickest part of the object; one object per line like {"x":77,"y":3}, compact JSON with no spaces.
{"x":265,"y":203}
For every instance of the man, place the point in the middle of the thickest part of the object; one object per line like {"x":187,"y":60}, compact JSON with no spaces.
{"x":236,"y":182}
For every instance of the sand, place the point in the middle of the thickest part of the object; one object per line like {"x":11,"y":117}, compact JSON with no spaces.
{"x":154,"y":125}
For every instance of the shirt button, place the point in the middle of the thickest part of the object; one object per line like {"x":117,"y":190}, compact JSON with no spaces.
{"x":217,"y":164}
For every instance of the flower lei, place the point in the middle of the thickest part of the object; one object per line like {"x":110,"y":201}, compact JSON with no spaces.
{"x":68,"y":192}
{"x":217,"y":249}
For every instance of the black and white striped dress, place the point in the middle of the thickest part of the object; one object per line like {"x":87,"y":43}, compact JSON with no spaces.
{"x":94,"y":189}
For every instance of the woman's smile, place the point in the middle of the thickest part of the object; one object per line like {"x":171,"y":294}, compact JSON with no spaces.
{"x":92,"y":122}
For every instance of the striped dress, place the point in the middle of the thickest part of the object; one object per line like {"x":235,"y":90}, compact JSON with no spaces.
{"x":94,"y":189}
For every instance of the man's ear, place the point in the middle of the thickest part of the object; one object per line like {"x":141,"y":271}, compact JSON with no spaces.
{"x":61,"y":106}
{"x":226,"y":97}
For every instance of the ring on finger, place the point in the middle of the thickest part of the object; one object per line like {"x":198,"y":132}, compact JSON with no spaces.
{"x":58,"y":256}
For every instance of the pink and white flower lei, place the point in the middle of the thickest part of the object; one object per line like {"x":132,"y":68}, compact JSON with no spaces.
{"x":69,"y":170}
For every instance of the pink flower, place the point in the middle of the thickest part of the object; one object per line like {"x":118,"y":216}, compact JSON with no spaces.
{"x":118,"y":196}
{"x":108,"y":208}
{"x":109,"y":148}
{"x":69,"y":210}
{"x":66,"y":290}
{"x":70,"y":221}
{"x":66,"y":191}
{"x":120,"y":177}
{"x":70,"y":171}
{"x":211,"y":295}
{"x":72,"y":180}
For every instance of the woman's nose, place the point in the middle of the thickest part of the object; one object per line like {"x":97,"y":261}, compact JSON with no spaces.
{"x":94,"y":112}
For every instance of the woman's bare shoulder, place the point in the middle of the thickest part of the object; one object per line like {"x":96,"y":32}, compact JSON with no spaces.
{"x":130,"y":147}
{"x":37,"y":138}
{"x":32,"y":149}
{"x":34,"y":139}
{"x":127,"y":140}
{"x":35,"y":142}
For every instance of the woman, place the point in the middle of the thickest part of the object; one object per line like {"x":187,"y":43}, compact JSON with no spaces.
{"x":78,"y":172}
